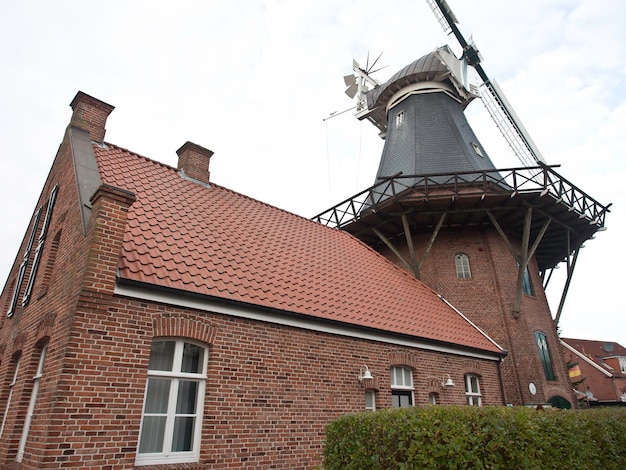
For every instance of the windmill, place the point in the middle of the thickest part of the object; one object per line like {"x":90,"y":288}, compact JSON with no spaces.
{"x":438,"y":202}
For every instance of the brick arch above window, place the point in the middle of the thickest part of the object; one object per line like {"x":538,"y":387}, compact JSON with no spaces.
{"x":400,"y":358}
{"x":433,"y":384}
{"x":44,"y":327}
{"x":176,"y":326}
{"x":471,"y":367}
{"x":19,"y":341}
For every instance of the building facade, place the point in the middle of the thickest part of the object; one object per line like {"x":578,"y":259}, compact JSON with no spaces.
{"x":155,"y":319}
{"x":597,"y":370}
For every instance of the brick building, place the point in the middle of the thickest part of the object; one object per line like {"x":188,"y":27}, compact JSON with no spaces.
{"x":157,"y":319}
{"x":598,"y":368}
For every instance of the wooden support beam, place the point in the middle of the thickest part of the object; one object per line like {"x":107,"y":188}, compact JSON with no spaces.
{"x":395,"y":251}
{"x":523,"y":263}
{"x":504,"y":237}
{"x":570,"y":273}
{"x":409,"y":243}
{"x":540,"y":235}
{"x":432,"y":240}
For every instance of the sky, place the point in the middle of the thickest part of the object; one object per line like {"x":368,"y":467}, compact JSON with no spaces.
{"x":256,"y":81}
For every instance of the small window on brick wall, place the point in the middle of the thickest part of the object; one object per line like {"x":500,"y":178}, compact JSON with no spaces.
{"x":370,"y":400}
{"x":401,"y":387}
{"x":32,"y":402}
{"x":472,"y":390}
{"x":172,"y":413}
{"x":462,"y":266}
{"x":13,"y":373}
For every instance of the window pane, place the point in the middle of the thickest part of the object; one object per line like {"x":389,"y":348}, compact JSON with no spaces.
{"x":152,"y":434}
{"x":162,"y":355}
{"x":405,"y":400}
{"x":183,"y":434}
{"x":192,"y":358}
{"x":157,"y":395}
{"x":369,"y":400}
{"x":408,"y":377}
{"x":187,"y":397}
{"x":474,"y":384}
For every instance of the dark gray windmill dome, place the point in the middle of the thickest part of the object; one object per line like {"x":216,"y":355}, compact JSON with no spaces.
{"x":427,"y":131}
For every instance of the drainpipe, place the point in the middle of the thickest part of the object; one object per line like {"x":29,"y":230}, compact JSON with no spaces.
{"x":501,"y":381}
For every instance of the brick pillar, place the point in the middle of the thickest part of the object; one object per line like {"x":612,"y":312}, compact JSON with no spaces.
{"x":90,"y":114}
{"x":193,"y":161}
{"x":108,"y":222}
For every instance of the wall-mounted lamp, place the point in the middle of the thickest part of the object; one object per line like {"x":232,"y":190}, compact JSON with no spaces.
{"x":364,"y":373}
{"x":447,"y":383}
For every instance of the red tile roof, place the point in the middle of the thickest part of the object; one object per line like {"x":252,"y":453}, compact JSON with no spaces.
{"x":216,"y":242}
{"x":596,"y":350}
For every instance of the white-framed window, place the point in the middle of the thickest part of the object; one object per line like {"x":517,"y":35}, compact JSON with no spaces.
{"x":370,"y":400}
{"x":401,"y":387}
{"x":622,"y":364}
{"x":31,"y":404}
{"x":472,"y":390}
{"x":399,"y":118}
{"x":462,"y":266}
{"x":11,"y":387}
{"x":172,"y":414}
{"x":432,"y":398}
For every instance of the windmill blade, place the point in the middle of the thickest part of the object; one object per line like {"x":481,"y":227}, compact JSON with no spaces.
{"x":494,"y":100}
{"x":510,"y":125}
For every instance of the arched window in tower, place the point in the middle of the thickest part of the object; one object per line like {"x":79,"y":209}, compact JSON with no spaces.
{"x":462,"y":266}
{"x":544,"y":355}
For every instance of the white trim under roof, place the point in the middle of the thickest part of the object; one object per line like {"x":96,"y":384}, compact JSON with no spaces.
{"x":585,"y":358}
{"x":307,"y":323}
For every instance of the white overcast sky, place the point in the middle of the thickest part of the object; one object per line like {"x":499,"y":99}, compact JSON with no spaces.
{"x":253,"y":80}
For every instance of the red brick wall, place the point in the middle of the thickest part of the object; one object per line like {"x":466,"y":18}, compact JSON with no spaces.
{"x":270,"y":390}
{"x":488,"y":298}
{"x":48,"y":315}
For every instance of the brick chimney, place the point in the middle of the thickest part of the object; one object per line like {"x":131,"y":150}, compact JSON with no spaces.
{"x":193,"y":161}
{"x":90,"y":114}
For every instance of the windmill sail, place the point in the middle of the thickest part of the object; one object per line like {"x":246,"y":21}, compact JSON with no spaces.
{"x":493,"y":98}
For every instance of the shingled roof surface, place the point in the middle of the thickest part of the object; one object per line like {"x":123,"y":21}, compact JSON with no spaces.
{"x":596,"y":350}
{"x":216,"y":242}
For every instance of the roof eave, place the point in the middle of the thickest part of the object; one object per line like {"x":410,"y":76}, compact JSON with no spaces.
{"x":146,"y":291}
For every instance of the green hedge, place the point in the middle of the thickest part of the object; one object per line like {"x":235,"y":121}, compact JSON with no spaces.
{"x":443,"y":437}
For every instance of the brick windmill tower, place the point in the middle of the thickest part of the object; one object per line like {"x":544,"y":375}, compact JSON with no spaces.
{"x":487,"y":239}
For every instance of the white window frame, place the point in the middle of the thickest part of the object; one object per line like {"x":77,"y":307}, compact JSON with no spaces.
{"x":462,"y":264}
{"x":166,"y":456}
{"x":400,"y":118}
{"x":370,"y":400}
{"x":400,"y":384}
{"x":474,"y":397}
{"x":622,"y":363}
{"x":31,"y":404}
{"x":11,"y":387}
